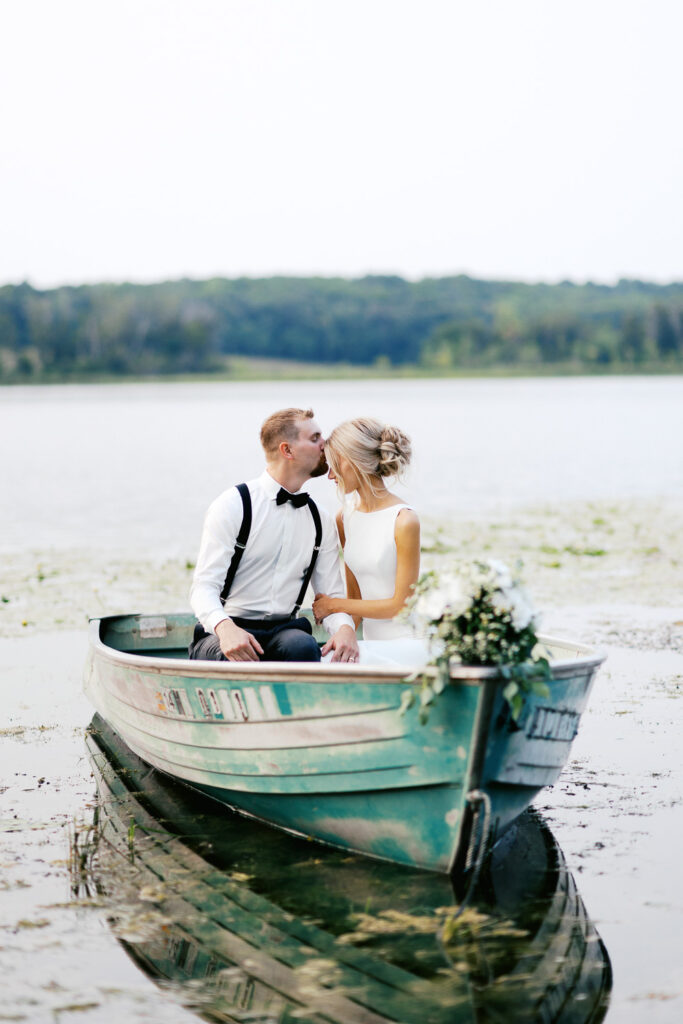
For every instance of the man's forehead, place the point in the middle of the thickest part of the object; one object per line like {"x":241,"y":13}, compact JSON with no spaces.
{"x":307,"y":428}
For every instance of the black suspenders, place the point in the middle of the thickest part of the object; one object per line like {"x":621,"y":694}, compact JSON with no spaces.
{"x":316,"y":548}
{"x":241,"y":543}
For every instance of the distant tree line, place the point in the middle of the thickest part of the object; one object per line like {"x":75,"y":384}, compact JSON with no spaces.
{"x":443,"y":324}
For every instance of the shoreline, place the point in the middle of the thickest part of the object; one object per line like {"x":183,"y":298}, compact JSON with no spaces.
{"x":246,"y":371}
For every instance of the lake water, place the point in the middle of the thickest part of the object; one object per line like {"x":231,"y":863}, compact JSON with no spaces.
{"x":137,"y":464}
{"x":110,"y":483}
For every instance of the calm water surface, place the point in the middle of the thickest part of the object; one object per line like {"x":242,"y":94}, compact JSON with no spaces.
{"x":135,"y":465}
{"x":266,"y":927}
{"x":131,"y":468}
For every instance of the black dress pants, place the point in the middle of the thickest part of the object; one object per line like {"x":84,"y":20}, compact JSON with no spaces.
{"x":281,"y":640}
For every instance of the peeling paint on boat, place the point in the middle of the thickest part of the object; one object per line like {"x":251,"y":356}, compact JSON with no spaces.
{"x":325,"y":750}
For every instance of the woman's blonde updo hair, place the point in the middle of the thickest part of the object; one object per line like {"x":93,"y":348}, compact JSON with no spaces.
{"x":373,"y":449}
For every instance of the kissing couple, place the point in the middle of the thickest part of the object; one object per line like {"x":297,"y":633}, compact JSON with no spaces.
{"x":265,"y":541}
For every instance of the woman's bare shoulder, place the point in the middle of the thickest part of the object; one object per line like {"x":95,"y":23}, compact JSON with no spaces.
{"x":407,"y":521}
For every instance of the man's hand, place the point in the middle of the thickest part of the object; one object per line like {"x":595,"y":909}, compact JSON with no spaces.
{"x":236,"y":644}
{"x":344,"y":645}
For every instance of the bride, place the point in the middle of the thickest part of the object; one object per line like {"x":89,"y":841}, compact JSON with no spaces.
{"x":380,"y":536}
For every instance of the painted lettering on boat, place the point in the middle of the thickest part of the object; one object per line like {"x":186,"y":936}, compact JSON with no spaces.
{"x":203,"y":703}
{"x":246,"y":705}
{"x":552,"y":724}
{"x":227,"y":705}
{"x":253,"y":705}
{"x":239,"y":704}
{"x":176,"y":703}
{"x":213,"y":702}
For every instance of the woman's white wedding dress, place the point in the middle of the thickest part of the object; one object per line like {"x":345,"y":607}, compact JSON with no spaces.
{"x":370,"y":554}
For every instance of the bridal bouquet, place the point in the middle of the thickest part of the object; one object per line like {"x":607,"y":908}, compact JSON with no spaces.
{"x":479,"y":614}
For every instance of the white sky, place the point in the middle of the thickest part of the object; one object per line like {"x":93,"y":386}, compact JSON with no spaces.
{"x":151,"y":139}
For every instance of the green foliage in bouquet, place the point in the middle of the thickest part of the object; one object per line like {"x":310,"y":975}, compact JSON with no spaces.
{"x":478,"y":614}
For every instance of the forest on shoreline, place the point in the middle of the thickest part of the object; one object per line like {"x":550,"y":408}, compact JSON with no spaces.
{"x":375,"y":324}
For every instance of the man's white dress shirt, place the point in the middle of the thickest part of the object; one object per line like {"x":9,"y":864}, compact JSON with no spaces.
{"x":277,"y":554}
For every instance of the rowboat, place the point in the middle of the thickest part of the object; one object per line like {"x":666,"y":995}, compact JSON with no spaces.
{"x":330,"y":751}
{"x":245,"y":923}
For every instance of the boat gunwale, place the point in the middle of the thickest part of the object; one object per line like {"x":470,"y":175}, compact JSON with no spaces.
{"x":313,"y":672}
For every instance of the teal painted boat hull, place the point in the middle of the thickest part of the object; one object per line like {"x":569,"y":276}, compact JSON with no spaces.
{"x":325,"y":751}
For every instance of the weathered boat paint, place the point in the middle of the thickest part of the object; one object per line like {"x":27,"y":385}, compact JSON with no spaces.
{"x":324,"y":750}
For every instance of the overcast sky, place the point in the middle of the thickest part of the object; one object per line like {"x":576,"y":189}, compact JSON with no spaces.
{"x":152,"y":139}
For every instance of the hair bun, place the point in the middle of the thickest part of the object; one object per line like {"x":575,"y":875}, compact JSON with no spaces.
{"x":395,"y":451}
{"x":371,"y":448}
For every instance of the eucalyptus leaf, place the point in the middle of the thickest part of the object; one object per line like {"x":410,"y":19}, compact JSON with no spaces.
{"x":426,"y":695}
{"x":510,"y":691}
{"x":407,"y":701}
{"x":439,"y":684}
{"x":516,"y":705}
{"x":442,"y":678}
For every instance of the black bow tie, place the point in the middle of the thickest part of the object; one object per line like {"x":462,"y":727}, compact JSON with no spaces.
{"x":297,"y":500}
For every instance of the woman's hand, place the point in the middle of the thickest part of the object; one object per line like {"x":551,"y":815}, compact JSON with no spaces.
{"x":322,"y":607}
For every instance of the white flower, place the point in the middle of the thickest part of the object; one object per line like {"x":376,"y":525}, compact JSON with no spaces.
{"x":437,"y":648}
{"x":479,"y":576}
{"x":501,"y":572}
{"x":430,"y":605}
{"x":461,"y":609}
{"x":454,"y":595}
{"x":502,"y":601}
{"x":521,"y":610}
{"x":513,"y":601}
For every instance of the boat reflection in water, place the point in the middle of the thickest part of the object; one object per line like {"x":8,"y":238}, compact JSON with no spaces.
{"x":249,"y":924}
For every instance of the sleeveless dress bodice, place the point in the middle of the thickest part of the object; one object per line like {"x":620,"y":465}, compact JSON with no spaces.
{"x":370,"y":554}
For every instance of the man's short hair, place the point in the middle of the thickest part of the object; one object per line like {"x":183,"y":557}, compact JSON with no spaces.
{"x":282,"y":426}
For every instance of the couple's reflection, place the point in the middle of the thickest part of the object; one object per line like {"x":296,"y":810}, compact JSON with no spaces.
{"x":249,"y":924}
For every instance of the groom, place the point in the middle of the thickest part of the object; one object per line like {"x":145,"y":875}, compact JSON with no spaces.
{"x":262,"y":544}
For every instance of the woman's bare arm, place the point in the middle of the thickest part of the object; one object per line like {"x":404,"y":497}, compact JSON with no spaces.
{"x":407,"y":535}
{"x":352,"y":593}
